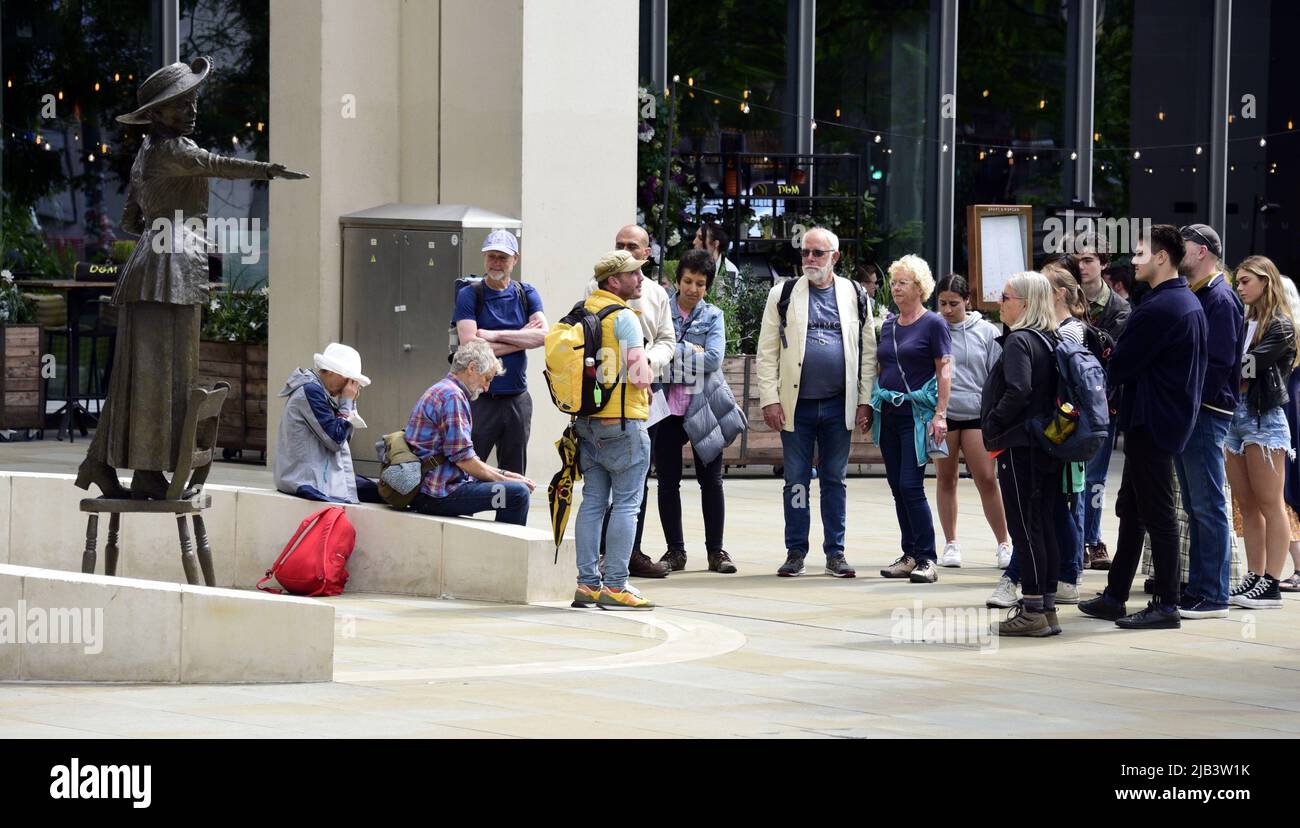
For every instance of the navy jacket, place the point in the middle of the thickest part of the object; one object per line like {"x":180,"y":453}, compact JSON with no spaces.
{"x":1160,"y":362}
{"x":1225,"y":321}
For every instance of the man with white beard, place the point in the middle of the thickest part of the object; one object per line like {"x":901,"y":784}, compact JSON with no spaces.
{"x":816,"y":367}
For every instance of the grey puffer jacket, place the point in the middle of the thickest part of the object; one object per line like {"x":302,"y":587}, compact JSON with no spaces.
{"x":975,"y":351}
{"x":713,"y":420}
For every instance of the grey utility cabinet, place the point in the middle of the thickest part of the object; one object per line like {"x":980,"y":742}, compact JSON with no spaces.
{"x":400,"y":266}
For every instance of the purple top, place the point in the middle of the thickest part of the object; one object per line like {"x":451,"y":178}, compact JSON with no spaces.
{"x":919,"y":345}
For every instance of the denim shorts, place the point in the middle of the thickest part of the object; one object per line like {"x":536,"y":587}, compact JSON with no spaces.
{"x":1269,"y":431}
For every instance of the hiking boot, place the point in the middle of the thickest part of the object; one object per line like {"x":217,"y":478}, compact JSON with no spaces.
{"x":900,"y":568}
{"x":1067,"y":593}
{"x":1004,"y":595}
{"x":626,"y":598}
{"x":838,"y":567}
{"x":585,"y":597}
{"x":1103,"y":607}
{"x":640,"y":566}
{"x":1025,"y":623}
{"x":1263,"y":595}
{"x":1004,"y":555}
{"x":674,"y":559}
{"x":1096,"y":556}
{"x":1156,"y":616}
{"x":793,"y":566}
{"x":925,"y":573}
{"x":951,"y":555}
{"x":720,"y":561}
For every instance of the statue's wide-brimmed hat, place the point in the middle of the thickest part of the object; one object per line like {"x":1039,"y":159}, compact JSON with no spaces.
{"x":167,"y":84}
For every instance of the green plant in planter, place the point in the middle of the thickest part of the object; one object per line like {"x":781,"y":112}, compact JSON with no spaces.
{"x":14,"y":307}
{"x":237,"y":314}
{"x":742,"y":311}
{"x":121,"y":251}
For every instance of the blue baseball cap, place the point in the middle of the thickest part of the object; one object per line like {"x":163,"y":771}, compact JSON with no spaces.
{"x":503,"y":241}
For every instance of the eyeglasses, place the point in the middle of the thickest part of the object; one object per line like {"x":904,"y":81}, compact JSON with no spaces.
{"x":901,"y":283}
{"x":812,"y":253}
{"x":1006,"y":298}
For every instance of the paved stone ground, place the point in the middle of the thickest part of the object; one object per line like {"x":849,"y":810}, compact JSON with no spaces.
{"x":746,"y":655}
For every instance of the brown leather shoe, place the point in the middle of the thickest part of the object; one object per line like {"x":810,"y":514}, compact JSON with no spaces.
{"x":102,"y":475}
{"x":640,"y":566}
{"x":720,"y":561}
{"x":1096,"y":557}
{"x":674,"y":559}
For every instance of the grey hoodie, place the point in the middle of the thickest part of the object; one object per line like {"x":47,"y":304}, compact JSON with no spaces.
{"x":312,"y":458}
{"x":974,"y":353}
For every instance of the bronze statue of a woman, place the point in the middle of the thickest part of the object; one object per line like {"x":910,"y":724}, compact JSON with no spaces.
{"x":162,"y":288}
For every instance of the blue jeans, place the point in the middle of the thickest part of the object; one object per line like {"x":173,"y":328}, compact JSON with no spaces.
{"x":1200,"y":477}
{"x":1095,"y":489}
{"x":906,"y":481}
{"x":1067,"y":522}
{"x":613,"y":461}
{"x":818,"y":424}
{"x":508,"y":499}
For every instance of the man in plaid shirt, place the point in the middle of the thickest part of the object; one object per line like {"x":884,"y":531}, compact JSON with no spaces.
{"x":441,"y":426}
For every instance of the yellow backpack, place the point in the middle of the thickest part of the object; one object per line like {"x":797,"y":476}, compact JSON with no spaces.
{"x":572,"y":353}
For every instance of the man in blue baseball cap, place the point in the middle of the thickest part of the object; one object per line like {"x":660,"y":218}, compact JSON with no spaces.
{"x":507,"y":314}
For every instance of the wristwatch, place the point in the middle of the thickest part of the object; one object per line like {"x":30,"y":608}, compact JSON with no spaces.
{"x":939,"y":413}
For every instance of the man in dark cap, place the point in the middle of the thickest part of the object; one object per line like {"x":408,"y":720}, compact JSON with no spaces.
{"x":162,"y":287}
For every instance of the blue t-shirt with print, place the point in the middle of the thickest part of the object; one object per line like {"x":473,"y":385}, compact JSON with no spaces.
{"x":823,"y":357}
{"x":918,"y":346}
{"x":501,"y":312}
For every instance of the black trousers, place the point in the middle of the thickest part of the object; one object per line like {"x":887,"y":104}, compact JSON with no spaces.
{"x":1031,"y":484}
{"x":668,"y":466}
{"x":1145,"y":506}
{"x":503,"y":423}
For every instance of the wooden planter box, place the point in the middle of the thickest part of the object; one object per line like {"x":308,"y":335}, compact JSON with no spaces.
{"x":759,"y":445}
{"x":243,"y":417}
{"x":22,"y":394}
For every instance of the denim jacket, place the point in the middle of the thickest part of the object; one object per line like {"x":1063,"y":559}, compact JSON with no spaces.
{"x":704,"y":327}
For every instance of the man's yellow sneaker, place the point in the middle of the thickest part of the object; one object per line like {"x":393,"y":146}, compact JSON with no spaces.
{"x":585,"y":596}
{"x":626,"y":598}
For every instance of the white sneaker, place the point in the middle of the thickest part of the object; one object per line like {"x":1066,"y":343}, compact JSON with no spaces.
{"x":1006,"y":595}
{"x":1004,"y":555}
{"x":951,"y":554}
{"x":1067,"y":593}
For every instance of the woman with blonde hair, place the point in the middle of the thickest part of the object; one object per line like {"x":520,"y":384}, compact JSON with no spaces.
{"x":1021,"y":387}
{"x":1259,"y":435}
{"x":913,"y":383}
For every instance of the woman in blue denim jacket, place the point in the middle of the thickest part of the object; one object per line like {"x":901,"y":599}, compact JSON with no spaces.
{"x":701,"y":409}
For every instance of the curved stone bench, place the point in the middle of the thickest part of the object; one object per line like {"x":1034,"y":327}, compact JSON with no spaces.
{"x":66,"y":626}
{"x":402,"y":553}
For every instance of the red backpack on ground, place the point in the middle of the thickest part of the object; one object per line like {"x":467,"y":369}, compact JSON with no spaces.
{"x":314,"y":562}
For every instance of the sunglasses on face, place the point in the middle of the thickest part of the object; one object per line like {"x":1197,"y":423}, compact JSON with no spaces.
{"x":1199,"y":237}
{"x":812,"y":253}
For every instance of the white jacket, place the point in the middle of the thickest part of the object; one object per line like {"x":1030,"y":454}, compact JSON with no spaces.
{"x":779,"y":368}
{"x":656,"y":323}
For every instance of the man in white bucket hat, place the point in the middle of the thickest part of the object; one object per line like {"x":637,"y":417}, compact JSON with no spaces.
{"x":312,"y":458}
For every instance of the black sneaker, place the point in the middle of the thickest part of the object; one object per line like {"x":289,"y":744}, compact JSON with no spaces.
{"x":1246,"y":585}
{"x":1156,"y":616}
{"x":793,"y":566}
{"x":720,"y":561}
{"x":1192,"y":607}
{"x":1103,"y":607}
{"x":1263,"y":595}
{"x":674,"y":559}
{"x":838,"y":567}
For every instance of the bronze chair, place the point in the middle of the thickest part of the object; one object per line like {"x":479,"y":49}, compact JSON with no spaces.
{"x":193,"y":461}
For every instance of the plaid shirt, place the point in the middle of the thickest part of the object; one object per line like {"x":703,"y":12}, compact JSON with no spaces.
{"x":441,"y":424}
{"x":1237,"y":565}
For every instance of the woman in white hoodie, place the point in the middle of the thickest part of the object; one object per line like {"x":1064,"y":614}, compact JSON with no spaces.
{"x":974,"y":353}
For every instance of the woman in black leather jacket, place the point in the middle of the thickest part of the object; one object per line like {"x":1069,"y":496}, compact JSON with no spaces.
{"x":1259,"y":434}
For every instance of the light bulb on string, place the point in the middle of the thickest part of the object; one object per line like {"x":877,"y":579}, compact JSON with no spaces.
{"x":1199,"y":150}
{"x":1010,"y":154}
{"x":1074,"y":156}
{"x":945,"y":148}
{"x":1263,"y":142}
{"x":1137,"y":154}
{"x":877,"y":139}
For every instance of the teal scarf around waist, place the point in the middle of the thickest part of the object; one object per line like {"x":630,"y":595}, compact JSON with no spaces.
{"x":924,"y":402}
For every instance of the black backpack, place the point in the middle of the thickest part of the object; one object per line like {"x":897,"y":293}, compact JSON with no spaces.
{"x":864,"y":314}
{"x":480,"y":288}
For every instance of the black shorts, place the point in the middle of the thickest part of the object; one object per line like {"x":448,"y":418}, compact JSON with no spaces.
{"x":963,"y":425}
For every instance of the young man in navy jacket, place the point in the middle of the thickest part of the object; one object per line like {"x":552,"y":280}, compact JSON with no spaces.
{"x":1160,"y":362}
{"x":1200,"y":466}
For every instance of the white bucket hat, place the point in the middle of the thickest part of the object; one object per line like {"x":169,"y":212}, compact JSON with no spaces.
{"x":342,"y":360}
